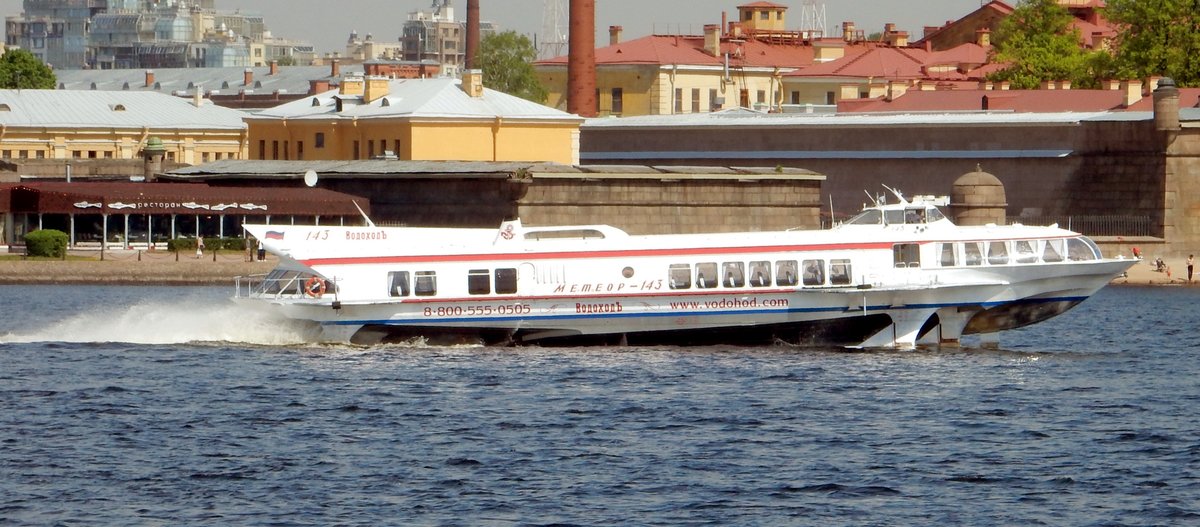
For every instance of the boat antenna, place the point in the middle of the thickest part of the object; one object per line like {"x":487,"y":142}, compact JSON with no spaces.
{"x":873,"y":199}
{"x":896,"y":192}
{"x":831,"y":220}
{"x":364,"y":215}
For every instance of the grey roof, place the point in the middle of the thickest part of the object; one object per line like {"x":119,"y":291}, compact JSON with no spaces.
{"x":393,"y":169}
{"x":759,"y":119}
{"x":440,"y":98}
{"x":232,"y":168}
{"x":225,"y":81}
{"x":120,"y":109}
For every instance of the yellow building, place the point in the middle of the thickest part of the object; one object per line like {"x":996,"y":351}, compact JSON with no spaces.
{"x":414,"y":119}
{"x":739,"y":65}
{"x":80,"y":124}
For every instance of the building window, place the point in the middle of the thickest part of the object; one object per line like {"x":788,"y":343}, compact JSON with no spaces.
{"x":761,"y":96}
{"x":795,"y":97}
{"x":355,"y":154}
{"x":695,"y":100}
{"x":678,"y":100}
{"x":396,"y":147}
{"x":275,"y":150}
{"x":320,"y":139}
{"x":370,"y":149}
{"x":262,"y":149}
{"x":300,"y":150}
{"x":712,"y":100}
{"x":618,"y":104}
{"x":287,"y":150}
{"x":830,"y":98}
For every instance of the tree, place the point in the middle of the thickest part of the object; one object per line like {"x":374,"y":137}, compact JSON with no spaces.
{"x":1039,"y":44}
{"x":22,"y":70}
{"x":1157,"y":37}
{"x":506,"y":60}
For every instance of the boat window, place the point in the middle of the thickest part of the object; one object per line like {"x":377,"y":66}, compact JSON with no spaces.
{"x":1024,"y":251}
{"x":1053,"y":251}
{"x":425,"y":283}
{"x":839,"y":272}
{"x":785,"y":273}
{"x":866,"y":217}
{"x":973,"y":253}
{"x":760,"y":274}
{"x":506,"y":281}
{"x":932,"y":214}
{"x":997,"y":253}
{"x":1078,"y":250}
{"x":906,"y":255}
{"x":479,"y":282}
{"x":680,"y":276}
{"x":947,"y":256}
{"x":581,"y":234}
{"x":398,"y":283}
{"x":914,"y":216}
{"x":735,"y":274}
{"x":814,"y":272}
{"x":706,"y":275}
{"x":893,"y":217}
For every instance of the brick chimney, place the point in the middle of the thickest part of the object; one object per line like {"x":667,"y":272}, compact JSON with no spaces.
{"x":335,"y":69}
{"x":581,"y":60}
{"x":614,"y":35}
{"x":1133,"y":91}
{"x":983,"y":37}
{"x":472,"y":83}
{"x":848,"y":31}
{"x":149,"y":78}
{"x":712,"y":40}
{"x":247,"y":77}
{"x":374,"y":88}
{"x":274,"y":68}
{"x":473,"y":33}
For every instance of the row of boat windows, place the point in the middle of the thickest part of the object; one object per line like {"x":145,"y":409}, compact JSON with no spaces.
{"x":782,"y":273}
{"x":1000,"y":252}
{"x":479,"y":282}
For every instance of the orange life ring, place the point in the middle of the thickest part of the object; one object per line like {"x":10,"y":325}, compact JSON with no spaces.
{"x":314,"y":287}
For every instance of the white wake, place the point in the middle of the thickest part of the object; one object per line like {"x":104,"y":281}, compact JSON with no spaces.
{"x":171,"y":323}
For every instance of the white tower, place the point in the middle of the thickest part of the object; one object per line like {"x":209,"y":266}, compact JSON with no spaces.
{"x":812,"y":18}
{"x":552,"y":41}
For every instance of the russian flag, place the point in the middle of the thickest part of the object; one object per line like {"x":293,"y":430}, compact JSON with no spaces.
{"x":274,"y":235}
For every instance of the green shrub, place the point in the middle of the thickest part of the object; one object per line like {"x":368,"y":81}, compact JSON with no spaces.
{"x":210,"y":244}
{"x":46,"y":242}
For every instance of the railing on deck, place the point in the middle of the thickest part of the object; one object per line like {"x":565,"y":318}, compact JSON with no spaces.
{"x":259,"y":286}
{"x":1096,"y":225}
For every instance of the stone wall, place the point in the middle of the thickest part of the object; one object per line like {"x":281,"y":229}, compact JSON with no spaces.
{"x":641,"y":206}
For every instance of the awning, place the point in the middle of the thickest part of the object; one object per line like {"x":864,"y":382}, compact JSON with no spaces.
{"x":175,"y":198}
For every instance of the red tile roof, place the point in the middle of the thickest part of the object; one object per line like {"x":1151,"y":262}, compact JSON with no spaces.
{"x":689,"y":50}
{"x":771,"y":5}
{"x":1188,"y":98}
{"x":1012,"y":100}
{"x":888,"y":63}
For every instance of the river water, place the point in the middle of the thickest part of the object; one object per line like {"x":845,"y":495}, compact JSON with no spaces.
{"x":172,"y":406}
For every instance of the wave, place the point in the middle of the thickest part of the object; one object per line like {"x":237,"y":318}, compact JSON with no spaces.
{"x":160,"y":322}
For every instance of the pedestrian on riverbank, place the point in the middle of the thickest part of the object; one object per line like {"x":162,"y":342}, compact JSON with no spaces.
{"x":1190,"y":262}
{"x":199,"y":247}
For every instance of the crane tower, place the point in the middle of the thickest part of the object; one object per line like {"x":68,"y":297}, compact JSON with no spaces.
{"x":552,"y":41}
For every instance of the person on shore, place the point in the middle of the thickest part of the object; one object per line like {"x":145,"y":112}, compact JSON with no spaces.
{"x":199,"y":247}
{"x":1190,"y":262}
